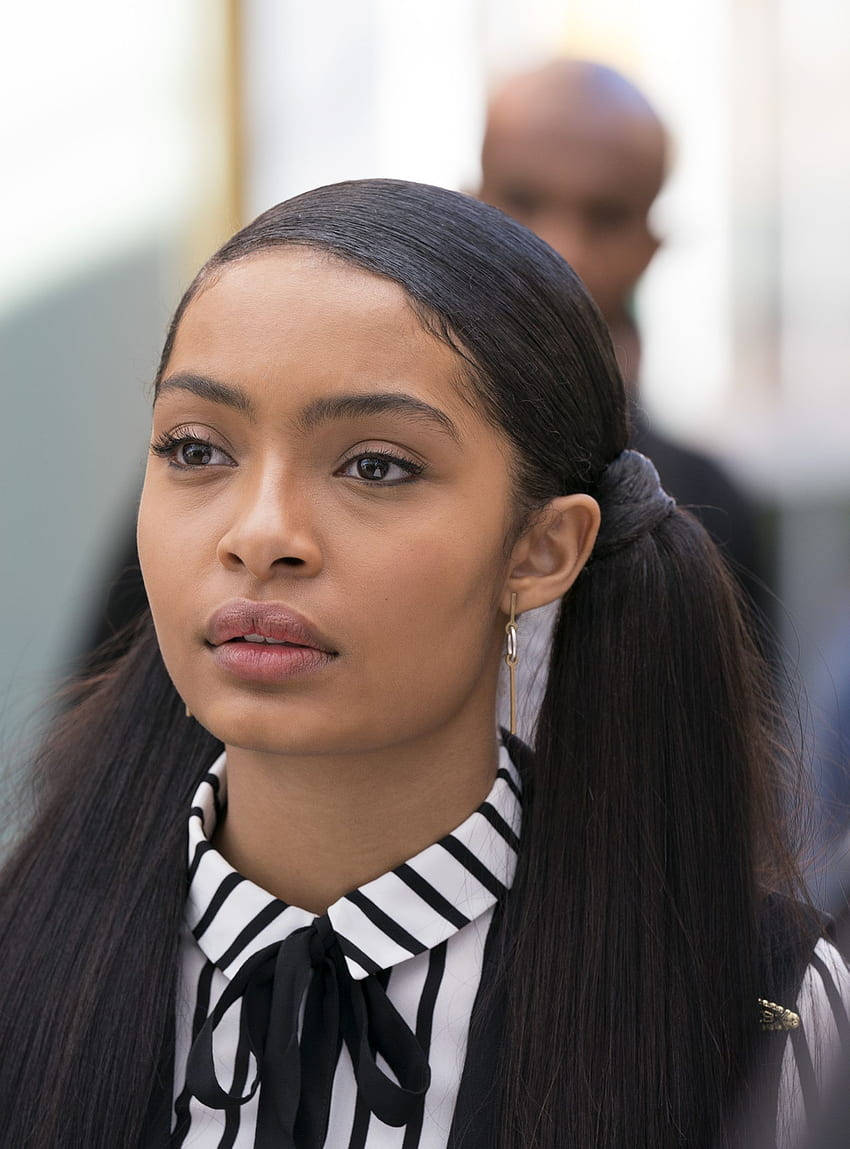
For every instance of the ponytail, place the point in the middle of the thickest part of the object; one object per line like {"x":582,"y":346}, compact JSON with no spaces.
{"x":631,"y":976}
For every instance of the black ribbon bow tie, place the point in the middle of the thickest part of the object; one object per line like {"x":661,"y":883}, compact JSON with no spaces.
{"x":297,"y":1077}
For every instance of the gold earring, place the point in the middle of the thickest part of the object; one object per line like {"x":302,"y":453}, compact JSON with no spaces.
{"x":512,"y":657}
{"x":188,"y":712}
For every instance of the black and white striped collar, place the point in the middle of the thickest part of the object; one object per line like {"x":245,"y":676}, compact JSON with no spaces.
{"x":404,"y":912}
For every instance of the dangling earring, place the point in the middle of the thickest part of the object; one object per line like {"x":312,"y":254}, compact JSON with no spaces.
{"x":188,"y":712}
{"x":512,"y":657}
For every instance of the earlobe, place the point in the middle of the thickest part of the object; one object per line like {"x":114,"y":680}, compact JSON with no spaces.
{"x":548,"y":558}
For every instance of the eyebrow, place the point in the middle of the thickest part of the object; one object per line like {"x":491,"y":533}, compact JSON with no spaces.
{"x":347,"y":406}
{"x":358,"y":404}
{"x":206,"y":388}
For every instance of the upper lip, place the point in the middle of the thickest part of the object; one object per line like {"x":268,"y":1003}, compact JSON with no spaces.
{"x":243,"y":616}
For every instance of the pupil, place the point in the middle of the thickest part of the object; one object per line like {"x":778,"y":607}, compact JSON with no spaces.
{"x":372,"y":468}
{"x":196,"y":453}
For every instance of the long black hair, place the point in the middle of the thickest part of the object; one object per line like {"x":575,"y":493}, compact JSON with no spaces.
{"x":653,"y":825}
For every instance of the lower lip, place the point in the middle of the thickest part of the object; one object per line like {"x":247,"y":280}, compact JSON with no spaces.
{"x":269,"y":662}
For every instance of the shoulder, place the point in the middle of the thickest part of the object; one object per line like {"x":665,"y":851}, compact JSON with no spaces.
{"x":823,"y":1003}
{"x":819,"y":1044}
{"x":803,"y":956}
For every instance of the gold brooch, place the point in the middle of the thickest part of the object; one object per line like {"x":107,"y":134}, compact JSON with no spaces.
{"x":775,"y":1017}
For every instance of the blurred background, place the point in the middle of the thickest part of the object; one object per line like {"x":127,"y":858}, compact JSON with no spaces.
{"x":137,"y":137}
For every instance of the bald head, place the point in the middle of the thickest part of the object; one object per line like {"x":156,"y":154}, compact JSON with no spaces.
{"x":576,"y":152}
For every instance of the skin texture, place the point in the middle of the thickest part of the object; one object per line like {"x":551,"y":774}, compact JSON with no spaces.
{"x":338,"y":775}
{"x":575,"y":152}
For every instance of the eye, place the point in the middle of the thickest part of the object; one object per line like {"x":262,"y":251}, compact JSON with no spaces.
{"x":521,"y":201}
{"x":197,"y":454}
{"x":189,"y":452}
{"x":381,"y":467}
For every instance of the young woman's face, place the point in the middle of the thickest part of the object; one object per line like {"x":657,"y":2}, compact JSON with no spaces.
{"x":319,"y":478}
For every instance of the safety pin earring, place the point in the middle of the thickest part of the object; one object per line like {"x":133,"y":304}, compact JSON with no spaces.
{"x":512,"y":657}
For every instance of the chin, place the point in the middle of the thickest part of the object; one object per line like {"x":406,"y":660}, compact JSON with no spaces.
{"x":271,"y":725}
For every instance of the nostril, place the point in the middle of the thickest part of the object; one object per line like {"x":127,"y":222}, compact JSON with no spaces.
{"x":291,"y":561}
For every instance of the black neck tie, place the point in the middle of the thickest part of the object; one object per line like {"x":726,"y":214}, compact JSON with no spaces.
{"x":297,"y":1077}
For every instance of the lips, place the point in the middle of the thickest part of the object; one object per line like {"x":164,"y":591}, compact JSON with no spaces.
{"x":264,"y":624}
{"x":266,"y":644}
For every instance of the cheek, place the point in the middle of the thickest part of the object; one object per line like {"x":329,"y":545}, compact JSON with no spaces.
{"x":153,"y":531}
{"x":437,"y":556}
{"x":439,"y":578}
{"x":177,"y":534}
{"x":173,"y":550}
{"x":427,"y":604}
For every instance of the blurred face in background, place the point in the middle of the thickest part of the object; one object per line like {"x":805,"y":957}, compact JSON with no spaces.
{"x":314,"y":453}
{"x":575,"y":153}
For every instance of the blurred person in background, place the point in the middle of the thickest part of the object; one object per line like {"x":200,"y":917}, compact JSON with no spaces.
{"x":287,"y":886}
{"x":576,"y":152}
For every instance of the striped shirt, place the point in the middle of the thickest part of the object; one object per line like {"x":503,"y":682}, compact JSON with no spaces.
{"x":418,"y":930}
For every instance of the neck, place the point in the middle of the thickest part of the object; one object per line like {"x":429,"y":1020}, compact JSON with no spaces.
{"x":310,"y":829}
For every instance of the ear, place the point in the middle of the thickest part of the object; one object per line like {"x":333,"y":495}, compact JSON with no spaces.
{"x":548,"y":558}
{"x":648,"y":248}
{"x":655,"y":244}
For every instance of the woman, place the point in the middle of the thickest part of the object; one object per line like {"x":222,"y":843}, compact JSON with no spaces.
{"x":388,"y":422}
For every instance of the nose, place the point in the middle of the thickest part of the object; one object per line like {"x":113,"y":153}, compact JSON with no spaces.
{"x":272,"y":529}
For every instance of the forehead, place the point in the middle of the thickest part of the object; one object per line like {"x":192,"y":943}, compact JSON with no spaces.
{"x":285,"y":319}
{"x":574,"y":153}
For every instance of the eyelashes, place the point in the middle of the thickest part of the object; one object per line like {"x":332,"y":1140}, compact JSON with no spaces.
{"x":168,"y":441}
{"x":167,"y":445}
{"x":377,"y":467}
{"x":373,"y":467}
